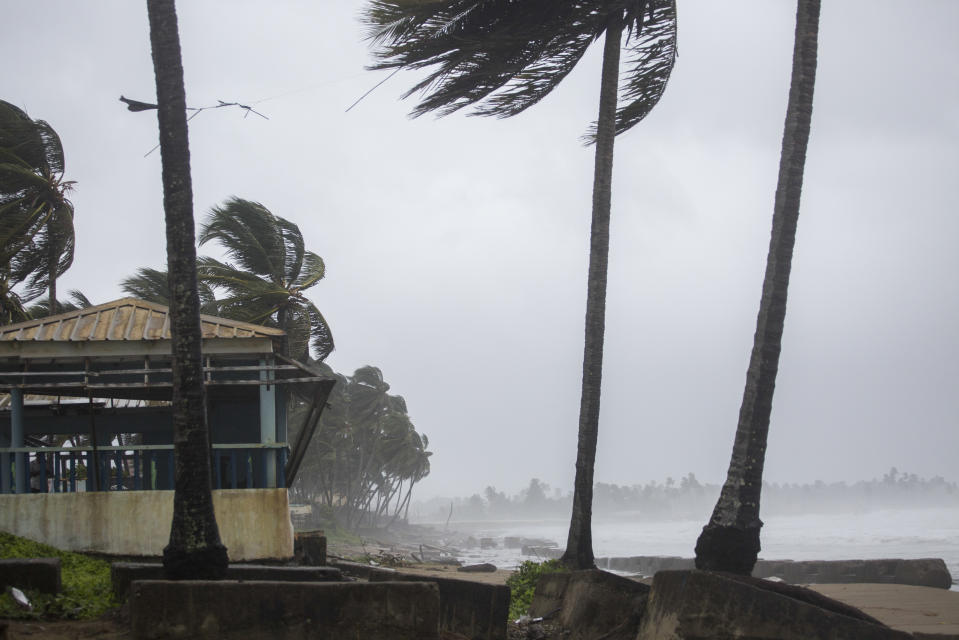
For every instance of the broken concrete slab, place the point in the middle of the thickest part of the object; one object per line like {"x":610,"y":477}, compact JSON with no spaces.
{"x":234,"y":610}
{"x":42,"y":574}
{"x":703,"y":605}
{"x":123,"y":574}
{"x":921,"y":572}
{"x":309,"y":548}
{"x":591,"y":604}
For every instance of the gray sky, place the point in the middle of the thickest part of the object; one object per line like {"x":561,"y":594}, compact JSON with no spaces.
{"x":456,"y":249}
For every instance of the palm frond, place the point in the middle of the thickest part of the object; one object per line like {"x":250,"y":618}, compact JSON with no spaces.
{"x":504,"y":56}
{"x":248,"y":233}
{"x":312,"y":271}
{"x":652,"y":55}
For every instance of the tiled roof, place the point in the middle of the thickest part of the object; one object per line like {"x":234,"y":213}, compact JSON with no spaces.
{"x":124,"y":319}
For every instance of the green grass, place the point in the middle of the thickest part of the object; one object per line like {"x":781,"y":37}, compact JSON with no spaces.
{"x":87,"y":591}
{"x":522,"y":584}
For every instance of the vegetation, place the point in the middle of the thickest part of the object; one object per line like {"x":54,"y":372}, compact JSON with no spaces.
{"x":36,"y":217}
{"x":272,"y":271}
{"x":506,"y":57}
{"x":522,"y":584}
{"x":195,"y":550}
{"x":264,"y":282}
{"x":688,"y":498}
{"x":87,"y":590}
{"x":365,"y":456}
{"x":730,"y":540}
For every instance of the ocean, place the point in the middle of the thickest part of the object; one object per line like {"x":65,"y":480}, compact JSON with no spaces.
{"x":920,"y":533}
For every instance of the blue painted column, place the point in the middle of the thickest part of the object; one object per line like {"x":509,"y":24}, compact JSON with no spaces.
{"x":6,"y":470}
{"x":22,"y":475}
{"x":267,"y":425}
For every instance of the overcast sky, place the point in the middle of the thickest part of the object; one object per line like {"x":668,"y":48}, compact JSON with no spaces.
{"x":456,"y":249}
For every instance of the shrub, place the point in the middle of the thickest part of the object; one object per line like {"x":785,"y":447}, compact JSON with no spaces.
{"x":522,"y":584}
{"x":87,"y":591}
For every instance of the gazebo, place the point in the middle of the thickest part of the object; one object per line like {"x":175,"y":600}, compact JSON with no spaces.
{"x":88,"y":421}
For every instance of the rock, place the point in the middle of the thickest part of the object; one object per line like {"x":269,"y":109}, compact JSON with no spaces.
{"x":706,"y":605}
{"x":478,"y":568}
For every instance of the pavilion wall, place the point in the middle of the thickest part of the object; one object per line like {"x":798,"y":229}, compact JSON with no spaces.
{"x":254,"y":523}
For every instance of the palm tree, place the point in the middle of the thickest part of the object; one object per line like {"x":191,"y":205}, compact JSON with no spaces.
{"x":153,"y":285}
{"x":36,"y":218}
{"x":730,"y":541}
{"x":75,"y":300}
{"x":271,"y":272}
{"x":505,"y":56}
{"x":194,"y":550}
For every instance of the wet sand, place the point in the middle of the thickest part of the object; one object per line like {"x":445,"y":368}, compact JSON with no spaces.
{"x":903,"y":607}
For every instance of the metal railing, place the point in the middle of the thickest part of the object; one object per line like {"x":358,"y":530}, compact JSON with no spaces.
{"x":134,"y":468}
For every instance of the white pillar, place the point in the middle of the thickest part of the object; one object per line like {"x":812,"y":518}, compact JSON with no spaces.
{"x":268,"y":422}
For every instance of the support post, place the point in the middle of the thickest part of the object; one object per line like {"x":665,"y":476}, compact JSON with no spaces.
{"x":22,"y":476}
{"x":267,"y":425}
{"x":6,"y":470}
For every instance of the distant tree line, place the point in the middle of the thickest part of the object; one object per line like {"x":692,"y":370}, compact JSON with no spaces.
{"x":365,"y":456}
{"x":689,"y":498}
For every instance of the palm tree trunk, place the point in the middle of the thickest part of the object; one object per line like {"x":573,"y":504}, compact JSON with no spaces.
{"x":579,"y":544}
{"x":730,"y":541}
{"x":195,"y":550}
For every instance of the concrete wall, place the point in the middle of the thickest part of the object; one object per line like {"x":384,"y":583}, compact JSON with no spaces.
{"x":232,"y":610}
{"x":254,"y":523}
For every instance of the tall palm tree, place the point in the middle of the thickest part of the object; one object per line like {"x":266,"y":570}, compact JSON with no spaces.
{"x":195,"y":550}
{"x":505,"y":56}
{"x":730,"y":541}
{"x":269,"y":272}
{"x":36,"y":218}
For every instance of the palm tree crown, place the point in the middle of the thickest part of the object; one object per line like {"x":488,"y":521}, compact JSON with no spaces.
{"x":36,"y":218}
{"x":505,"y":56}
{"x":268,"y":272}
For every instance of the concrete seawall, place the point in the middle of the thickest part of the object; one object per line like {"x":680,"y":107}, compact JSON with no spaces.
{"x":254,"y":523}
{"x":922,"y":572}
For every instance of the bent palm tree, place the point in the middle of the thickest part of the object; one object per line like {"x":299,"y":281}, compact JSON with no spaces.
{"x":505,"y":56}
{"x":272,"y":271}
{"x":730,"y":541}
{"x":36,"y":218}
{"x":194,"y":550}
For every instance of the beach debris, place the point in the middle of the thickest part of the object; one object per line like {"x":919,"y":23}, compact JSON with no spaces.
{"x":20,"y":598}
{"x":485,"y":567}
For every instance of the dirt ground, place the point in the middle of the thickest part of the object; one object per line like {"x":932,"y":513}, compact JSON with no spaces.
{"x":113,"y":626}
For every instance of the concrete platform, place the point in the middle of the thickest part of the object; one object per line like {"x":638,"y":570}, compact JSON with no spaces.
{"x":123,"y":574}
{"x":234,"y":610}
{"x":474,"y":609}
